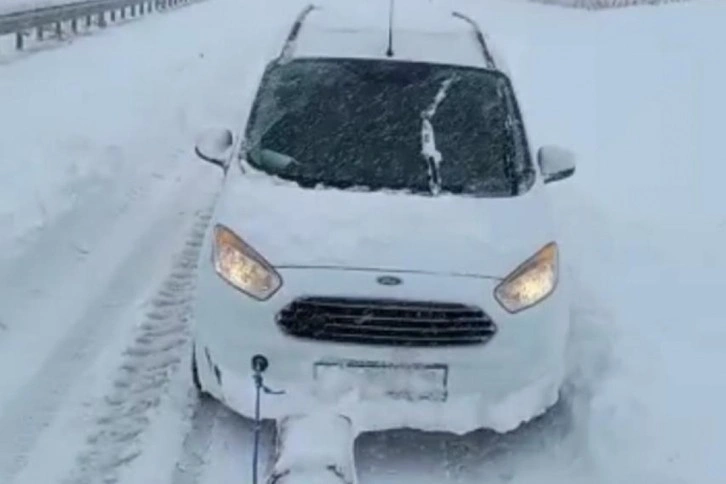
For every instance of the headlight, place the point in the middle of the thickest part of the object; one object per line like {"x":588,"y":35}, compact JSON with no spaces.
{"x":242,"y":267}
{"x":531,"y":282}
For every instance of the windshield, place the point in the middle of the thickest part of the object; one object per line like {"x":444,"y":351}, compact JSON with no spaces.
{"x":376,"y":124}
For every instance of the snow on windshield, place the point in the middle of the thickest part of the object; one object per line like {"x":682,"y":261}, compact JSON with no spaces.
{"x":367,"y":123}
{"x":428,"y":141}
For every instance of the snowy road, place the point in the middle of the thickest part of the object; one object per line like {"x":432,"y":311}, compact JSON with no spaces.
{"x":103,"y":205}
{"x":101,"y":222}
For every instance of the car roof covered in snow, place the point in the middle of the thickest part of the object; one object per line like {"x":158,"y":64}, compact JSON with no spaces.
{"x":422,"y":32}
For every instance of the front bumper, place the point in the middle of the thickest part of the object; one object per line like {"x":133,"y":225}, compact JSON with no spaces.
{"x":498,"y":385}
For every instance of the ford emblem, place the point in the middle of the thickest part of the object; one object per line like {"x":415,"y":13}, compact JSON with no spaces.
{"x":389,"y":280}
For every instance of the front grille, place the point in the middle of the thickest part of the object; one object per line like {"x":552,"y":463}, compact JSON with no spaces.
{"x":386,"y":322}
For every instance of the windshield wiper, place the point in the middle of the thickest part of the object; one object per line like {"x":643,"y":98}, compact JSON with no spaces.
{"x":428,"y":142}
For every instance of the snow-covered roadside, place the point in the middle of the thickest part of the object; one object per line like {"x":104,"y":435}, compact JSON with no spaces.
{"x":658,"y":177}
{"x":102,"y":137}
{"x":113,"y":134}
{"x":57,"y":142}
{"x":94,"y":312}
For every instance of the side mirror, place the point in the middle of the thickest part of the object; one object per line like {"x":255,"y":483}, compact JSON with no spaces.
{"x":213,"y":146}
{"x":555,"y":163}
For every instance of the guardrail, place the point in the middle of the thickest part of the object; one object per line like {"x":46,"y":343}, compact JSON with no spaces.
{"x":86,"y":12}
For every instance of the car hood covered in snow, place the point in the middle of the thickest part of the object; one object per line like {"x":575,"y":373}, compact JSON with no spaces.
{"x":292,"y":226}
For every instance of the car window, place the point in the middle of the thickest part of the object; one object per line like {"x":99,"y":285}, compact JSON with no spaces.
{"x":395,"y":125}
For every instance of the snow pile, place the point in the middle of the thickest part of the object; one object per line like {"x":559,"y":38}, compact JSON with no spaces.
{"x":296,"y":453}
{"x":82,"y":131}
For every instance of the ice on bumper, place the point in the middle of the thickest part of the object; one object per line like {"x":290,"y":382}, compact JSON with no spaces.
{"x":377,"y":380}
{"x":328,"y":461}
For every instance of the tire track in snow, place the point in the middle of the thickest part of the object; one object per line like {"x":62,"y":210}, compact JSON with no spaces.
{"x":191,"y":464}
{"x":218,"y":447}
{"x":142,"y":380}
{"x":87,"y":310}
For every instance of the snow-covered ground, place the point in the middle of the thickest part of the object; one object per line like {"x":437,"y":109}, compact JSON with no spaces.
{"x":102,"y":206}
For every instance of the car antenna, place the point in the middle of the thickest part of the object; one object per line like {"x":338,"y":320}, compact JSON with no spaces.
{"x":389,"y":52}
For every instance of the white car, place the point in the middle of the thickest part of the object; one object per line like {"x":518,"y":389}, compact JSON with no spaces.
{"x":383,"y":234}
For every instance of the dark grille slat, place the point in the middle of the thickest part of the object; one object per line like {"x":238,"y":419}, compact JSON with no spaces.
{"x":386,"y":322}
{"x":397,"y":324}
{"x":386,"y":305}
{"x":423,"y":316}
{"x":390,"y":340}
{"x":401,"y":331}
{"x":390,"y":320}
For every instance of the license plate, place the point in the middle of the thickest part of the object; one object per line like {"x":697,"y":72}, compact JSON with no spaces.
{"x":373,"y":379}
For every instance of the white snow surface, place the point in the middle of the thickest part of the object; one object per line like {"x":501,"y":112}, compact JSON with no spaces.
{"x":102,"y":208}
{"x":297,"y":453}
{"x":605,"y":4}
